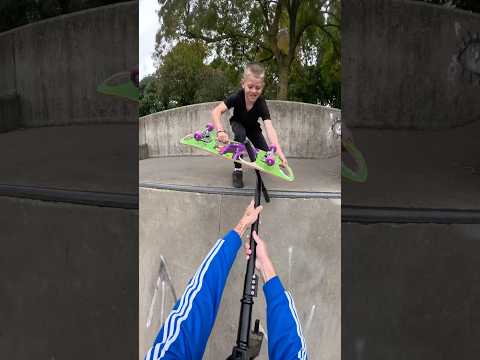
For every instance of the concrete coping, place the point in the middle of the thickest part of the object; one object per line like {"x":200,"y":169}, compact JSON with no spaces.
{"x":250,"y":192}
{"x":304,"y":130}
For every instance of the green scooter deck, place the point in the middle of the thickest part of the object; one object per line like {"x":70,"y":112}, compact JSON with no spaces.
{"x":213,"y":146}
{"x":361,"y":173}
{"x":120,"y":85}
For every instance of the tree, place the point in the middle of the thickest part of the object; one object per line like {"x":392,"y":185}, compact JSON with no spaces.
{"x":179,"y":73}
{"x":240,"y":31}
{"x":183,"y":78}
{"x":150,"y":101}
{"x":215,"y":85}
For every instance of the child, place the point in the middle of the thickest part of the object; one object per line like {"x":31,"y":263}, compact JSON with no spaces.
{"x":248,"y":106}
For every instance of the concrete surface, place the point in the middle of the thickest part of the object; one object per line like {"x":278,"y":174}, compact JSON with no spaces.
{"x":311,"y":175}
{"x":9,"y":112}
{"x":400,"y":67}
{"x":304,"y":130}
{"x":7,"y":63}
{"x":410,"y":291}
{"x":68,"y":281}
{"x":97,"y":158}
{"x":304,"y":233}
{"x":304,"y":243}
{"x":418,"y":169}
{"x":56,"y":65}
{"x":68,"y":272}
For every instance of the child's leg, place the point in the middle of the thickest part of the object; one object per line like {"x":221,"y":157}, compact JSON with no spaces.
{"x":257,"y":139}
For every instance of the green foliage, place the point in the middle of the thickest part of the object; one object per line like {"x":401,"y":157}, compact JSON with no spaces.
{"x":183,"y":78}
{"x":179,"y":73}
{"x":215,"y":38}
{"x":239,"y":31}
{"x":316,"y":74}
{"x":215,"y":85}
{"x":150,"y":101}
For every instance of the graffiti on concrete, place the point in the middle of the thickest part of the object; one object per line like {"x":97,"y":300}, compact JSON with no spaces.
{"x":308,"y":325}
{"x":336,"y":128}
{"x":348,"y":150}
{"x":359,"y":348}
{"x":290,"y":254}
{"x":468,"y":57}
{"x":163,"y":280}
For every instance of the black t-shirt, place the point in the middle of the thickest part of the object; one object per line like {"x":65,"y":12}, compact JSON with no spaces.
{"x":249,"y":119}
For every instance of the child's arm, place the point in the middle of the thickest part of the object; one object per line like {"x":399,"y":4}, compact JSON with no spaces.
{"x":273,"y":139}
{"x":217,"y":123}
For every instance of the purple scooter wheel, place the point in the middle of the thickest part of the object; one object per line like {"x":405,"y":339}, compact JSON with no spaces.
{"x":198,"y":135}
{"x":270,"y":161}
{"x":209,"y":126}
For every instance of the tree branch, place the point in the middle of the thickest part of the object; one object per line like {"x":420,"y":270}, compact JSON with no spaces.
{"x":332,"y":39}
{"x":192,"y":35}
{"x":266,"y":59}
{"x":264,"y":7}
{"x":293,"y":13}
{"x":273,"y":31}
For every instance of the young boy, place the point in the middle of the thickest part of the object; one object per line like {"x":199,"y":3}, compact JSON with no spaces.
{"x":248,"y":106}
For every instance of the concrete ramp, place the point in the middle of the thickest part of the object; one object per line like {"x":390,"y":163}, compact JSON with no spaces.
{"x":187,"y":203}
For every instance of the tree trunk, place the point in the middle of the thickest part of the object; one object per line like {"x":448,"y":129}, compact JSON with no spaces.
{"x":282,"y":93}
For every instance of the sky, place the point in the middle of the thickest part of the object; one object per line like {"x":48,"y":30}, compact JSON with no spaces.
{"x":149,"y":24}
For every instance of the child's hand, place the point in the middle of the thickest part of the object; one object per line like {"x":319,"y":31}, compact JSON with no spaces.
{"x":284,"y":159}
{"x":223,"y":137}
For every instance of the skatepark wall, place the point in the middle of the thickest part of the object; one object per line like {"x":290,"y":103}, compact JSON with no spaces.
{"x":304,"y":130}
{"x":9,"y":112}
{"x":178,"y":228}
{"x":402,"y":283}
{"x":55,"y":66}
{"x":389,"y":47}
{"x":75,"y":266}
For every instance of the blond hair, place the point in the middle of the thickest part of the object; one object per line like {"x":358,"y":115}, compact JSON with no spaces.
{"x":254,"y":69}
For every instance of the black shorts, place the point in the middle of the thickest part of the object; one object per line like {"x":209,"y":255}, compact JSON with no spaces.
{"x":254,"y":134}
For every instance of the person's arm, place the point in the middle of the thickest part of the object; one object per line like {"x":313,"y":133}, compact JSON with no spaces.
{"x":273,"y":139}
{"x":217,"y":123}
{"x":217,"y":114}
{"x":185,"y":333}
{"x":285,"y":339}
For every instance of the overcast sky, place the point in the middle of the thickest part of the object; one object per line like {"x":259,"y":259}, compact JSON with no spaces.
{"x":148,"y":23}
